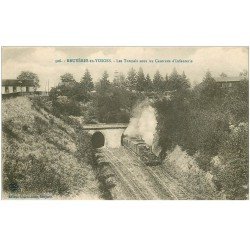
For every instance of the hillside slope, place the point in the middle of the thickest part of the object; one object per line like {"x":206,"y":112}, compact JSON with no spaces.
{"x":39,"y":153}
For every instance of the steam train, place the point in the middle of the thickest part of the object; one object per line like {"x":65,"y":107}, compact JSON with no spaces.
{"x":141,"y":149}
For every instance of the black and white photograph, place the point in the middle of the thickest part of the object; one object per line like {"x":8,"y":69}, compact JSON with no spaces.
{"x":125,"y":123}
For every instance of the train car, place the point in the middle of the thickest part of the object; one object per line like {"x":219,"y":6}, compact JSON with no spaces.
{"x":141,"y":149}
{"x":125,"y":141}
{"x":135,"y":143}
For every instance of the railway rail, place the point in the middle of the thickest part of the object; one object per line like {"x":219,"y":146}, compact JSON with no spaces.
{"x":140,"y":181}
{"x":135,"y":186}
{"x":160,"y":174}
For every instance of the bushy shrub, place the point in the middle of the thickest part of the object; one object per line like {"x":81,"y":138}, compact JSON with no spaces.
{"x":45,"y":170}
{"x":185,"y":168}
{"x":65,"y":106}
{"x":207,"y":130}
{"x":232,"y":168}
{"x":173,"y":121}
{"x":85,"y":150}
{"x":199,"y":122}
{"x":39,"y":155}
{"x":41,"y":124}
{"x":105,"y":176}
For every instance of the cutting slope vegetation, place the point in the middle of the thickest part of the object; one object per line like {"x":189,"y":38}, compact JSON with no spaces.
{"x":41,"y":154}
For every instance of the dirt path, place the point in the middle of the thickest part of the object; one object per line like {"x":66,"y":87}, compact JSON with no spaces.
{"x":140,"y":182}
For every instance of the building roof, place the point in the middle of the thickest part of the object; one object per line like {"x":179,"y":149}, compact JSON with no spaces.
{"x":17,"y":83}
{"x":229,"y":79}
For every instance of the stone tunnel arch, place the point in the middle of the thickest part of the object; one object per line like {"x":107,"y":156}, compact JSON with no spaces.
{"x":98,"y":139}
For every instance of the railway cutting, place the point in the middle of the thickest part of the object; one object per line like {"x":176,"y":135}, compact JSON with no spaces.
{"x":139,"y":173}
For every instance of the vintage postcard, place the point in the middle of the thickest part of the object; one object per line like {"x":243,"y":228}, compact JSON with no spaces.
{"x":125,"y":123}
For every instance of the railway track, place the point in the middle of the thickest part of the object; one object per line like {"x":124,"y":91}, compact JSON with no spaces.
{"x":180,"y":188}
{"x":127,"y":191}
{"x":132,"y":189}
{"x":140,"y":181}
{"x":163,"y":190}
{"x":144,"y":187}
{"x":168,"y":183}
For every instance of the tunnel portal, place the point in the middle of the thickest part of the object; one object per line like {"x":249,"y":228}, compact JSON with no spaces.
{"x":98,"y":140}
{"x":106,"y":135}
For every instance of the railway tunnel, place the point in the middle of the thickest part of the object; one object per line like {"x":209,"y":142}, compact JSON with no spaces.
{"x":106,"y":135}
{"x":98,"y":140}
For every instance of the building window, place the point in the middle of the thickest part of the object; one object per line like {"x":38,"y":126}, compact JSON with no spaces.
{"x":14,"y":89}
{"x":27,"y":89}
{"x":6,"y":89}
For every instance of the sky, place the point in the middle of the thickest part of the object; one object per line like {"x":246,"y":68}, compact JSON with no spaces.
{"x":42,"y":61}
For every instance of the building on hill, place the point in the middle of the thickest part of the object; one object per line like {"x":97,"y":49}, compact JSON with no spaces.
{"x":228,"y":82}
{"x":10,"y":86}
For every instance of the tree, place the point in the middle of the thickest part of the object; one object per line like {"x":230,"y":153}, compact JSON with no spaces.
{"x":233,"y":171}
{"x":140,"y":81}
{"x":131,"y":79}
{"x":148,"y":82}
{"x":173,"y":122}
{"x":120,"y":81}
{"x":87,"y":81}
{"x":177,"y":81}
{"x":104,"y":82}
{"x":166,"y":82}
{"x":236,"y":101}
{"x":28,"y":75}
{"x":158,"y":82}
{"x":174,"y":79}
{"x":223,"y":74}
{"x":210,"y":92}
{"x":244,"y":73}
{"x":185,"y":84}
{"x":67,"y":78}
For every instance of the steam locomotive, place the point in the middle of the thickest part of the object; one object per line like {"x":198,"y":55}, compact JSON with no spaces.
{"x":141,"y":149}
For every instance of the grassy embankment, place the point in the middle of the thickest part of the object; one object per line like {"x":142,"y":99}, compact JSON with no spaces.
{"x":41,"y":154}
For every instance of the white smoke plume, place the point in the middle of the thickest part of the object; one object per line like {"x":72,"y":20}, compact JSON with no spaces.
{"x":143,"y":123}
